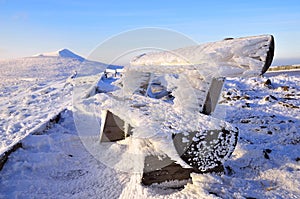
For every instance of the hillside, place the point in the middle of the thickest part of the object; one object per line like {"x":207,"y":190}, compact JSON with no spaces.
{"x":35,"y":89}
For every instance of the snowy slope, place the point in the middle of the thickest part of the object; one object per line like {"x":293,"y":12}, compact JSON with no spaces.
{"x":33,"y":90}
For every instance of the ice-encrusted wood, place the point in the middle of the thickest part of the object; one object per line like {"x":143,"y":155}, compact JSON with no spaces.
{"x":235,"y":57}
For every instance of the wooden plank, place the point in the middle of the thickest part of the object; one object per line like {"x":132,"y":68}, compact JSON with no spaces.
{"x":212,"y":96}
{"x":114,"y":128}
{"x":162,"y":170}
{"x":112,"y":134}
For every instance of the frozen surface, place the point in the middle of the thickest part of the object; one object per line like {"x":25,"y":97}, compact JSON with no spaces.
{"x":56,"y":163}
{"x":265,"y":163}
{"x":35,"y":89}
{"x":243,"y":56}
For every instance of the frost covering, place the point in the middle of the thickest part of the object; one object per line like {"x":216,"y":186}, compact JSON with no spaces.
{"x":158,"y":123}
{"x":229,"y":57}
{"x":161,"y":95}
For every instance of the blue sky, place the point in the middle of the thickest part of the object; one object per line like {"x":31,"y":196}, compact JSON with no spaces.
{"x":29,"y":27}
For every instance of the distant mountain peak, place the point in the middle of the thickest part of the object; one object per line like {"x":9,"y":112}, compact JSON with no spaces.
{"x":65,"y":53}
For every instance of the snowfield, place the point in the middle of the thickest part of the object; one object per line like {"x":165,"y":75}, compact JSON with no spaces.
{"x":54,"y":162}
{"x":33,"y":90}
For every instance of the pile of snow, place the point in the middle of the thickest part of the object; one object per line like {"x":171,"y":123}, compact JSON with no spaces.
{"x":65,"y":53}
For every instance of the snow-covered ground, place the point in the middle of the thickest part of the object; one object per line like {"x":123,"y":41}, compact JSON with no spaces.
{"x":53,"y":162}
{"x":35,"y":89}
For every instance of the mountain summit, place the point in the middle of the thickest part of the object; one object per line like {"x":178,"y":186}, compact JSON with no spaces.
{"x":65,"y":53}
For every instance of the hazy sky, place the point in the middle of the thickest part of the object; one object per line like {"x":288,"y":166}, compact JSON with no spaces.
{"x":29,"y":27}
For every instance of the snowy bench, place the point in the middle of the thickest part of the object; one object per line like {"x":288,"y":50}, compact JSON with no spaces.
{"x":153,"y":76}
